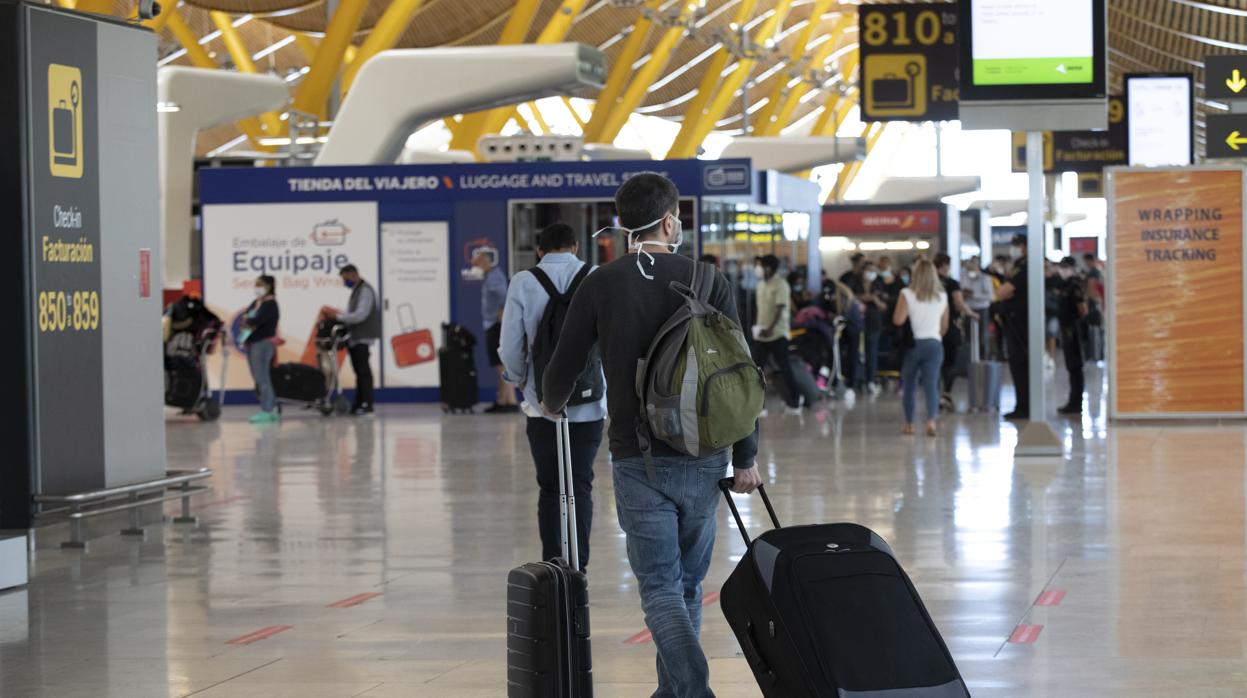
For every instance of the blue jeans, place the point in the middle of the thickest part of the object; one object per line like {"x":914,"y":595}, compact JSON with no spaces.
{"x":924,"y":359}
{"x":872,"y":354}
{"x":260,"y":359}
{"x":670,"y":526}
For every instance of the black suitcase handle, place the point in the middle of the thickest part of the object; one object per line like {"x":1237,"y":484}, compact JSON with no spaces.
{"x":726,"y":485}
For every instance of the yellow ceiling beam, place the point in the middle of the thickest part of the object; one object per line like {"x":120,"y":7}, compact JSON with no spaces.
{"x":704,"y":123}
{"x":712,"y":76}
{"x":638,"y":89}
{"x":492,"y":121}
{"x":620,"y":72}
{"x":314,"y":91}
{"x":241,"y":57}
{"x":99,"y":7}
{"x":779,"y":112}
{"x":383,"y":36}
{"x":514,"y":32}
{"x":571,"y":109}
{"x":815,"y":20}
{"x":872,"y":132}
{"x":539,"y":117}
{"x":306,"y":44}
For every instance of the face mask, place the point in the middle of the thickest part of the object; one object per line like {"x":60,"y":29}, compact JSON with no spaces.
{"x":973,"y":273}
{"x":905,"y":279}
{"x":1015,"y":252}
{"x":1065,"y":272}
{"x":886,"y":274}
{"x":261,"y":291}
{"x":350,"y":284}
{"x":799,"y":288}
{"x":872,"y":275}
{"x":758,"y":271}
{"x":640,"y":246}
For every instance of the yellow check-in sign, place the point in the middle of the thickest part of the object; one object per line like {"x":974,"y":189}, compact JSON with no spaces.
{"x":65,"y":147}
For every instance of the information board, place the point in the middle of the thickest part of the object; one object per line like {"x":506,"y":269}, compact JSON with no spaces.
{"x":1161,"y":124}
{"x":1033,"y":42}
{"x":1175,"y":297}
{"x":909,"y":62}
{"x":65,"y":304}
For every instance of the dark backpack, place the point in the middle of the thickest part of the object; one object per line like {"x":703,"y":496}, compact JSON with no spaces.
{"x":590,"y":386}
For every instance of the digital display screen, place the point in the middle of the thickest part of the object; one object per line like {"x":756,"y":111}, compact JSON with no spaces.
{"x":1033,"y":42}
{"x":1160,"y":120}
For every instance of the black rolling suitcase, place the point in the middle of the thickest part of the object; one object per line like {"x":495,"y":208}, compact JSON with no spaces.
{"x":456,"y":368}
{"x":298,"y":382}
{"x":548,"y":651}
{"x":826,"y":611}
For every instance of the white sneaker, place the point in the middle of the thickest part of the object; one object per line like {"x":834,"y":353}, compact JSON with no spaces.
{"x":850,"y":396}
{"x":872,"y":388}
{"x":764,"y":414}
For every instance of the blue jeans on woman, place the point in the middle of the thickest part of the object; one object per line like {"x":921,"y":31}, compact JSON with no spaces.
{"x":260,"y":359}
{"x":670,"y":524}
{"x":922,"y":362}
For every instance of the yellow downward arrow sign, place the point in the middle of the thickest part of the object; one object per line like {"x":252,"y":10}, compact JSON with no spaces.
{"x":1234,"y":140}
{"x":1236,"y":82}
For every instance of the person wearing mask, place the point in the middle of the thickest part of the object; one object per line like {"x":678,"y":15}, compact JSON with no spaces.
{"x":924,"y":305}
{"x":952,"y":338}
{"x":493,"y":302}
{"x":872,"y":325}
{"x":1072,"y":309}
{"x":977,"y":292}
{"x":259,"y":329}
{"x":774,"y":323}
{"x":363,"y":316}
{"x":527,"y":299}
{"x":669,"y":519}
{"x":1012,"y":297}
{"x":903,"y":276}
{"x":855,"y":321}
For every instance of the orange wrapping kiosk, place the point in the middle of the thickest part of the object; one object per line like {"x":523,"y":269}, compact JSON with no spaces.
{"x":1175,"y":292}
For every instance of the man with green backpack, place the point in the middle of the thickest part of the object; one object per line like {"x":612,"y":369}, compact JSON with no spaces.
{"x":683,"y":395}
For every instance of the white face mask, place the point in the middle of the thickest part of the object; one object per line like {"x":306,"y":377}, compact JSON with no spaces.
{"x":260,"y":291}
{"x":639,"y":246}
{"x":1015,"y":252}
{"x":872,"y":275}
{"x":758,"y":271}
{"x":886,"y":274}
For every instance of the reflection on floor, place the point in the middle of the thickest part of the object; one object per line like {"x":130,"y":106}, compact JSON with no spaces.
{"x":339,"y":557}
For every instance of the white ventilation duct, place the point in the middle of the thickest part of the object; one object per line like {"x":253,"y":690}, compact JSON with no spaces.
{"x":400,"y":90}
{"x":793,"y":153}
{"x":192,"y":99}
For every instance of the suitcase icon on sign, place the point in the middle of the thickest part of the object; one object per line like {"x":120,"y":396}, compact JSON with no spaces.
{"x":66,"y":149}
{"x":896,"y":85}
{"x":64,"y":124}
{"x":895,"y":92}
{"x":412,"y":346}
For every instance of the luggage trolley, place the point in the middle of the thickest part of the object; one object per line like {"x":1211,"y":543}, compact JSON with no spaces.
{"x":186,"y":368}
{"x":331,"y":339}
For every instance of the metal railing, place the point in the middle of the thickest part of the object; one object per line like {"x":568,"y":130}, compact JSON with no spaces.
{"x":82,"y":505}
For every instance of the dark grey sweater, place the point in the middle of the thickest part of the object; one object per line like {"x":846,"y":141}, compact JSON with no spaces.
{"x":621,"y":310}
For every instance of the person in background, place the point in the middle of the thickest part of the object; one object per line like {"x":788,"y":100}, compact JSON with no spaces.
{"x":493,"y":302}
{"x":668,"y":519}
{"x":886,"y":274}
{"x":1095,"y":278}
{"x":872,"y":325}
{"x":363,"y":316}
{"x":1073,"y":308}
{"x":259,"y":329}
{"x":1012,"y":300}
{"x":952,"y":337}
{"x":800,"y":296}
{"x":1052,"y":304}
{"x":774,"y":323}
{"x":924,"y":305}
{"x":903,"y":275}
{"x":710,"y":259}
{"x":1001,"y":268}
{"x":855,"y":322}
{"x":978,"y":292}
{"x":526,"y":304}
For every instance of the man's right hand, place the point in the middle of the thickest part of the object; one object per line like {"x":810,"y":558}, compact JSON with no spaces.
{"x":746,"y":480}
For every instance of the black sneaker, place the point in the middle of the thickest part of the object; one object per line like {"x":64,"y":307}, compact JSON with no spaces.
{"x":361,"y":411}
{"x":1070,"y":410}
{"x":1016,"y":416}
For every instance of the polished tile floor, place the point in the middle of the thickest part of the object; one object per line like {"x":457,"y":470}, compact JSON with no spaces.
{"x":368,"y":558}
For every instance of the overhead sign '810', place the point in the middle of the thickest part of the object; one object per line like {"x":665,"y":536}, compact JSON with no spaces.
{"x":909,"y":62}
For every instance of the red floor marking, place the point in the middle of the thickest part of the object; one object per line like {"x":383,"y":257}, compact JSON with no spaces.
{"x":644,"y":636}
{"x":1050,"y":598}
{"x":354,"y":600}
{"x":261,"y":634}
{"x":1025,"y":634}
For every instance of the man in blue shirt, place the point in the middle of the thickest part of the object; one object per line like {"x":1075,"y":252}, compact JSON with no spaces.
{"x":493,"y":300}
{"x":525,"y":306}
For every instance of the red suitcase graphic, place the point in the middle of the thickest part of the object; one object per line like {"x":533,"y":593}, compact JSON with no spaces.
{"x":412,"y":346}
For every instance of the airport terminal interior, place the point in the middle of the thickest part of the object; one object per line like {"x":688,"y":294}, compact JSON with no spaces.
{"x":309,"y":294}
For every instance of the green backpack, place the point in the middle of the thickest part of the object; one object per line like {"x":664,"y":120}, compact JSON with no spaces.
{"x":699,"y":389}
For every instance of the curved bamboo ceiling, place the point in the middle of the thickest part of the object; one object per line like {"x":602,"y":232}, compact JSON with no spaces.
{"x":1145,"y":35}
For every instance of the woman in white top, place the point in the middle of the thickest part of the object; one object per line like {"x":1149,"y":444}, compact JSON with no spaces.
{"x":924,"y":305}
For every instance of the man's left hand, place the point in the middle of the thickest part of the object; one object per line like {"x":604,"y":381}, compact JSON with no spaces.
{"x":547,"y":412}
